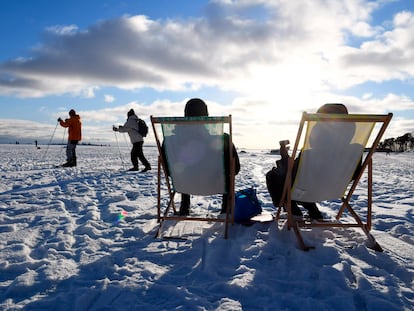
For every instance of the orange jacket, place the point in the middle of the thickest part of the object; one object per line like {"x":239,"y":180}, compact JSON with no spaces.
{"x":74,"y":124}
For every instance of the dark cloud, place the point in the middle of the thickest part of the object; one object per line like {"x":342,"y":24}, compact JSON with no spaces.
{"x":133,"y":52}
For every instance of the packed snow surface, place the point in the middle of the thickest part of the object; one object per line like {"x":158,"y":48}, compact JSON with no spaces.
{"x":84,"y":239}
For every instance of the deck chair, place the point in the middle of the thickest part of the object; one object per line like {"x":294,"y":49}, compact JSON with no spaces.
{"x":192,"y":160}
{"x":334,"y":146}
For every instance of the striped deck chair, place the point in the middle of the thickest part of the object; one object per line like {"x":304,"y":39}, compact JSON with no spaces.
{"x":332,"y":150}
{"x":192,"y":160}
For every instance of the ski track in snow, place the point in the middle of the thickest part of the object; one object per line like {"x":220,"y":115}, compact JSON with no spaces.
{"x":83,"y":239}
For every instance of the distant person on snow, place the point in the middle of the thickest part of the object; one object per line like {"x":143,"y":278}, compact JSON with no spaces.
{"x":131,"y":127}
{"x":74,"y":136}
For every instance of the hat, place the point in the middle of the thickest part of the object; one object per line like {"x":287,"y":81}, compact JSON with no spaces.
{"x":333,"y":108}
{"x":72,"y":112}
{"x":339,"y":132}
{"x":196,"y":107}
{"x":131,"y":112}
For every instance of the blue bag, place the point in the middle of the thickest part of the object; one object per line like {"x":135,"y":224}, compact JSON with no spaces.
{"x":246,"y":205}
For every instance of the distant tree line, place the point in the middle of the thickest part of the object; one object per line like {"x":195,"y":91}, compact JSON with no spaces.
{"x":399,"y":144}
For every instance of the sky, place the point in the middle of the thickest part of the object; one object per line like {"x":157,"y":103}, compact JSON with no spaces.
{"x":263,"y":62}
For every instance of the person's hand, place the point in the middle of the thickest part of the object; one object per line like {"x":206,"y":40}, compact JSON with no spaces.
{"x":114,"y":128}
{"x":59,"y":119}
{"x":284,"y":148}
{"x":284,"y":143}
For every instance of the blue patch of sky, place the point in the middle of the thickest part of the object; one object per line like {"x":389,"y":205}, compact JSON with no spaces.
{"x":164,"y":9}
{"x":381,"y":90}
{"x":40,"y":109}
{"x":249,"y":11}
{"x":386,"y":12}
{"x":353,"y":41}
{"x":22,"y":21}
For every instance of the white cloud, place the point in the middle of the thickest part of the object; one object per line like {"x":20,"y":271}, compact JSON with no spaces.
{"x":257,"y":123}
{"x":89,"y":92}
{"x":389,"y":56}
{"x":363,"y":29}
{"x":109,"y":98}
{"x":62,"y":29}
{"x":228,"y":47}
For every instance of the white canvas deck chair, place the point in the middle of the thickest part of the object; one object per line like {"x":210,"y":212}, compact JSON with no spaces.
{"x":192,"y":161}
{"x":332,"y":149}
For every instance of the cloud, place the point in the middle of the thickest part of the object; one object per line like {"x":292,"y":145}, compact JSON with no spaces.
{"x":389,"y":56}
{"x":237,"y":45}
{"x":109,"y":98}
{"x":62,"y":30}
{"x":24,"y":131}
{"x":270,"y":123}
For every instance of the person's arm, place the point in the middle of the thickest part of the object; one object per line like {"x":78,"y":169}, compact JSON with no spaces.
{"x":164,"y":156}
{"x":126,"y":127}
{"x":123,"y":129}
{"x":284,"y":149}
{"x":236,"y":161}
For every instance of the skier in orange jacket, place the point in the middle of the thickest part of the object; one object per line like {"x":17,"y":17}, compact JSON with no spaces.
{"x":74,"y":136}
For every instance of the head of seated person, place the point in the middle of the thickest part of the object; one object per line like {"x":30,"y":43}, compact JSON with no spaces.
{"x":332,"y":132}
{"x":333,"y":108}
{"x":195,"y":107}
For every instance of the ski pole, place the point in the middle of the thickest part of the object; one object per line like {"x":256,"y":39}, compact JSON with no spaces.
{"x":63,"y":139}
{"x":50,"y":140}
{"x":119,"y":149}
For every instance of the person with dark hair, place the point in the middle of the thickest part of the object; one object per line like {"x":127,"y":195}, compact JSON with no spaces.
{"x":74,"y":126}
{"x":196,"y":107}
{"x":131,"y":127}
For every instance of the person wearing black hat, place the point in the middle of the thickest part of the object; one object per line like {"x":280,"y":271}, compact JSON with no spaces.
{"x":74,"y":136}
{"x":196,"y":107}
{"x":131,"y":127}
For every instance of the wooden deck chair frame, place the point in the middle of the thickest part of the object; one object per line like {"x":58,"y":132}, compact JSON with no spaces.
{"x":168,"y":212}
{"x":380,"y":121}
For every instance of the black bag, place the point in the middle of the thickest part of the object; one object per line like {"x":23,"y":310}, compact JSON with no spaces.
{"x":275,"y":181}
{"x":142,"y":128}
{"x":246,"y":205}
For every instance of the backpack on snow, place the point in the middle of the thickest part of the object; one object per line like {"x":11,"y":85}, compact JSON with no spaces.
{"x":246,"y":205}
{"x":142,"y":128}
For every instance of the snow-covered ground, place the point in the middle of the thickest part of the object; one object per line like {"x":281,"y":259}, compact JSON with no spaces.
{"x":83,"y":239}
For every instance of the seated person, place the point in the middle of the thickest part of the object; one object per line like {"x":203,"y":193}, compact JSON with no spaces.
{"x":197,"y":108}
{"x":311,"y":207}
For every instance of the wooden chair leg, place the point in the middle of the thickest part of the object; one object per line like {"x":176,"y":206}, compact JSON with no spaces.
{"x":372,"y":243}
{"x":159,"y":191}
{"x":302,"y":244}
